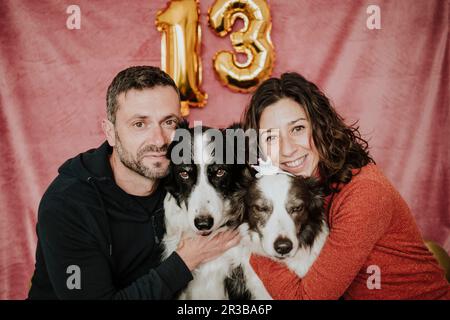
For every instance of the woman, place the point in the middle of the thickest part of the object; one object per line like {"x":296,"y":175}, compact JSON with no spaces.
{"x":374,"y":250}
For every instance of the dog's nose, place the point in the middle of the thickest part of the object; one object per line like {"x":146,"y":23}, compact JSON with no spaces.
{"x":204,"y":222}
{"x":283,"y":245}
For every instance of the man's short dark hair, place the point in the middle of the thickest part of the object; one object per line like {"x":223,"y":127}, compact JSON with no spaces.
{"x":138,"y":77}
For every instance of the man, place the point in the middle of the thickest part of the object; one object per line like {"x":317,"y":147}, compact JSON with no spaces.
{"x":100,"y":222}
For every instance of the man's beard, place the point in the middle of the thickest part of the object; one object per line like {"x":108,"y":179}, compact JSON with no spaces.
{"x":157,"y":172}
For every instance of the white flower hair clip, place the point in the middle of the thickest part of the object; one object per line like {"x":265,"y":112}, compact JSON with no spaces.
{"x":266,"y":168}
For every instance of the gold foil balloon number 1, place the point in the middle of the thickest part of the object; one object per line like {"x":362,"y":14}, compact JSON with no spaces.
{"x":180,"y":46}
{"x":180,"y":50}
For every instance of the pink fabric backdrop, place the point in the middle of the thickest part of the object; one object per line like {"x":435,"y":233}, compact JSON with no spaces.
{"x":395,"y":81}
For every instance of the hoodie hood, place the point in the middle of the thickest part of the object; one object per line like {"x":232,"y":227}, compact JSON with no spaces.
{"x":93,"y":163}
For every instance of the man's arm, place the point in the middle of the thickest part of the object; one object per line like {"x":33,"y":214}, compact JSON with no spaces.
{"x":357,"y":226}
{"x":66,"y":241}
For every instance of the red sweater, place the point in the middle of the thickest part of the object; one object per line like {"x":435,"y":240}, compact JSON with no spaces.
{"x":370,"y":225}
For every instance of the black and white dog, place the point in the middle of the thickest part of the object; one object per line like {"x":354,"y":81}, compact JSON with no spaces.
{"x":286,"y":219}
{"x":205,"y":195}
{"x":278,"y":215}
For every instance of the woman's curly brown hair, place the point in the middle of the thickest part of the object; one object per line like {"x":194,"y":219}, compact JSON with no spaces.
{"x":341,"y":147}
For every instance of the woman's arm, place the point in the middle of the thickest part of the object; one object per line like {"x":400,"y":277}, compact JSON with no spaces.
{"x":361,"y":215}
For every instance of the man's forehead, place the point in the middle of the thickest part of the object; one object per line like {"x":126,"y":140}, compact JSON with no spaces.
{"x":158,"y":102}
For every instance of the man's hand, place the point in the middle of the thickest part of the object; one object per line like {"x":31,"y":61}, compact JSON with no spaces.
{"x":199,"y":249}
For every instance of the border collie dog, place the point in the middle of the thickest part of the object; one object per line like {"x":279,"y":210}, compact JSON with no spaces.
{"x":286,"y":219}
{"x":205,"y":195}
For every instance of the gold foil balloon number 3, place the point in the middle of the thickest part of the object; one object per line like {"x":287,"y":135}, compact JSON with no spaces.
{"x":253,"y":40}
{"x":180,"y":46}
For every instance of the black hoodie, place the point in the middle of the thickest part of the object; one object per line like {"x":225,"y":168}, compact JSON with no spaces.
{"x":86,"y":221}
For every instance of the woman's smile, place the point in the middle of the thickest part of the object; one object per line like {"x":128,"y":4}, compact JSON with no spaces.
{"x":295,"y":164}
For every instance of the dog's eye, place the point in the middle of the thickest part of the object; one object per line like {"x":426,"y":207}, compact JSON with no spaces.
{"x":184,"y":175}
{"x":297,"y":209}
{"x":260,"y":208}
{"x":220,"y":173}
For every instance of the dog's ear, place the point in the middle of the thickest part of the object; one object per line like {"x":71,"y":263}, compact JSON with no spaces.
{"x":183,"y":124}
{"x":316,"y":196}
{"x":178,"y":136}
{"x":170,"y":182}
{"x":172,"y":186}
{"x":248,"y":175}
{"x":238,"y":200}
{"x":314,"y":202}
